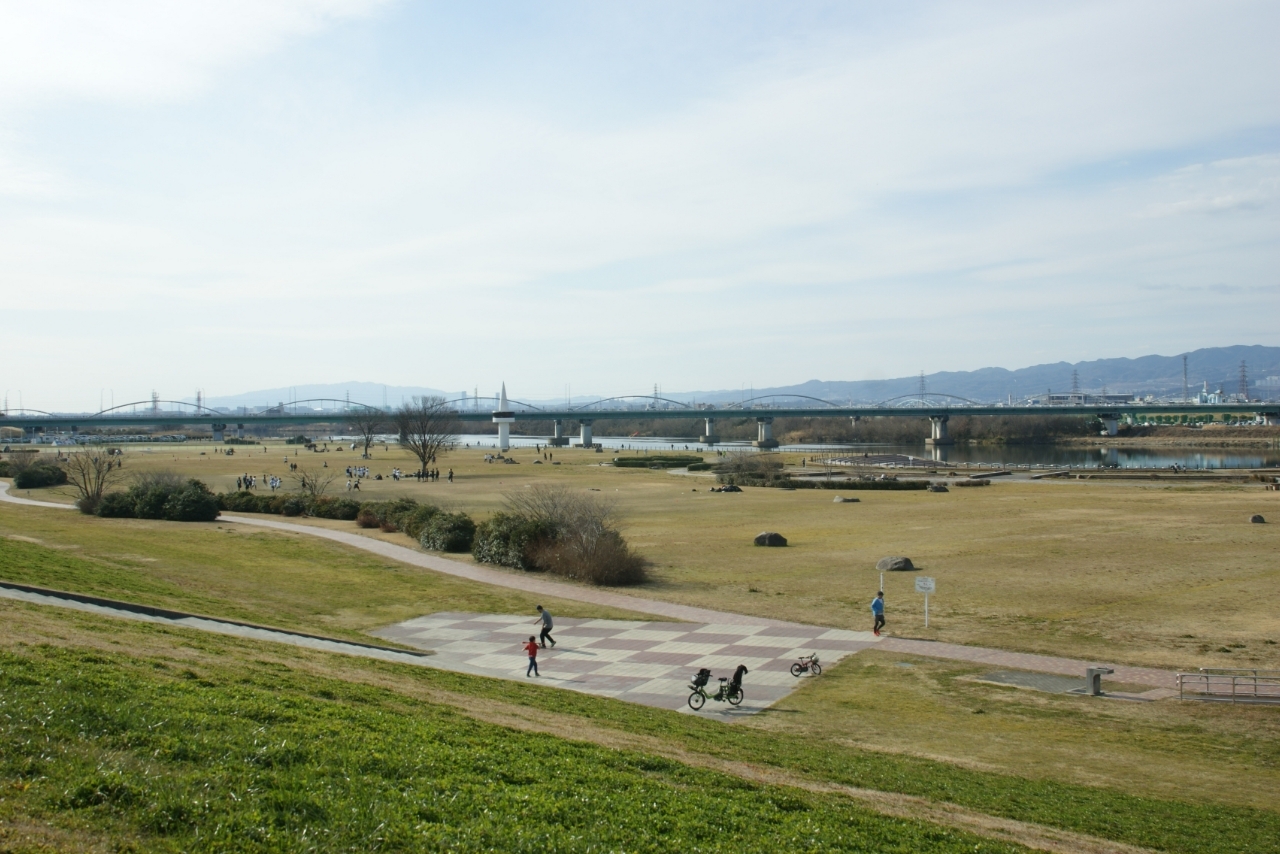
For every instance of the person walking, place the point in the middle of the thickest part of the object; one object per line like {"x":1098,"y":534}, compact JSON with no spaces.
{"x":532,"y":648}
{"x":547,"y":626}
{"x":877,"y":608}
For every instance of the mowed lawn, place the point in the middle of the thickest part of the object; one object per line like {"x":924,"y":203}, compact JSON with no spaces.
{"x":1171,"y":576}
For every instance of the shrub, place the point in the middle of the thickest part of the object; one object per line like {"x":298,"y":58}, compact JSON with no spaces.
{"x":293,"y":505}
{"x":414,"y":521}
{"x":5,"y":469}
{"x":448,"y":532}
{"x":298,"y":440}
{"x":366,"y":518}
{"x":116,"y":505}
{"x":509,"y":539}
{"x":656,"y":461}
{"x":192,"y":503}
{"x":604,"y":558}
{"x":39,"y":475}
{"x":335,"y":508}
{"x":699,"y":466}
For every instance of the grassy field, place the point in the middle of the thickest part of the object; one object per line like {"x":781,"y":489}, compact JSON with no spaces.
{"x":128,"y":736}
{"x":1217,"y":754}
{"x":285,"y":580}
{"x":1145,"y":574}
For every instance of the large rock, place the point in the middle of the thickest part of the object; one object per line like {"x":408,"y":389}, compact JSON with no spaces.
{"x":1257,"y":518}
{"x":844,"y":499}
{"x":769,"y":538}
{"x":895,"y":564}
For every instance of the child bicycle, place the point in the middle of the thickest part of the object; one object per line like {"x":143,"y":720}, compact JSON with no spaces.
{"x":730,"y":689}
{"x":807,"y":664}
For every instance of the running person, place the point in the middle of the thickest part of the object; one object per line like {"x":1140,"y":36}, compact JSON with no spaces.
{"x":547,"y":626}
{"x":532,"y":648}
{"x":877,"y":608}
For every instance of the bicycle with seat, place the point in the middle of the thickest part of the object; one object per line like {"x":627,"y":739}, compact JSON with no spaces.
{"x":730,"y":689}
{"x":807,"y":664}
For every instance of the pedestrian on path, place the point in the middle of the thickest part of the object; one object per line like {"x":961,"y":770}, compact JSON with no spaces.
{"x":877,"y":608}
{"x":547,"y":626}
{"x":532,"y":648}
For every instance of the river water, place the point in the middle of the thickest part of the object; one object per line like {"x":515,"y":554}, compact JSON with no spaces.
{"x":1041,"y":456}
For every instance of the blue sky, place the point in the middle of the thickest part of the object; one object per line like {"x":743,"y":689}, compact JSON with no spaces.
{"x":230,"y":196}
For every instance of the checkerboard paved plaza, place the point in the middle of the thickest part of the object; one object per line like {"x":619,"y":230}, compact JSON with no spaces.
{"x":648,"y":663}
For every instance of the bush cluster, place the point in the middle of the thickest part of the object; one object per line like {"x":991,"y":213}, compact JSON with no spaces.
{"x":556,"y":530}
{"x":162,"y":497}
{"x":403,"y":514}
{"x":38,"y":475}
{"x":298,"y":440}
{"x":781,"y":481}
{"x":289,"y":504}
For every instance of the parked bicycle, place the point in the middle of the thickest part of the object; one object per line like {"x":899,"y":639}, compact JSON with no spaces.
{"x":730,"y":689}
{"x":807,"y":664}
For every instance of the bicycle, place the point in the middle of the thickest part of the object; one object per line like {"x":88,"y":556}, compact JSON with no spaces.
{"x":730,"y":689}
{"x":807,"y":664}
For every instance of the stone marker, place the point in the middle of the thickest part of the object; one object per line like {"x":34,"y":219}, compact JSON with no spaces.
{"x":895,"y":564}
{"x":1257,"y":518}
{"x":840,"y":499}
{"x":769,"y":538}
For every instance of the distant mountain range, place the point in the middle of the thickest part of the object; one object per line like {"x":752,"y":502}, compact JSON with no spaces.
{"x":1155,"y":375}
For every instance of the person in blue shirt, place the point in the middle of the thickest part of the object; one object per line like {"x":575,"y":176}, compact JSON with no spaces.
{"x":877,"y":608}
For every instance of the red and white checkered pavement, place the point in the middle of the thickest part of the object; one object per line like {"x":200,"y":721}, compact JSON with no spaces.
{"x":648,"y":663}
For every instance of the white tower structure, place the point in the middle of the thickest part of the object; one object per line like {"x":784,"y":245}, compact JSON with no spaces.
{"x":504,"y":418}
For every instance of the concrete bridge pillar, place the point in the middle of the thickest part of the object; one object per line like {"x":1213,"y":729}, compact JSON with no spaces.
{"x":559,"y":440}
{"x":764,"y":433}
{"x":218,"y":431}
{"x":1271,"y":419}
{"x":709,"y":437}
{"x":1110,"y":424}
{"x":239,"y":431}
{"x":584,"y":437}
{"x":939,"y":434}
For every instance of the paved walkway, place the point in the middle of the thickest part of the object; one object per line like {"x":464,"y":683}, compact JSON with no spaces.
{"x":130,"y":611}
{"x":13,"y":499}
{"x":1163,"y":680}
{"x":649,"y":663}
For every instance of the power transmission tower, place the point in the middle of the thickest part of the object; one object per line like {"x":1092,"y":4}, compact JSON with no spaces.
{"x":1244,"y":381}
{"x":1186,"y":393}
{"x":922,"y":386}
{"x":1075,"y":382}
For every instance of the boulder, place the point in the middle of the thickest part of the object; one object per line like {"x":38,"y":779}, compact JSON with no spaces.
{"x":895,"y":564}
{"x":1257,"y":518}
{"x":769,"y":538}
{"x":938,"y":487}
{"x":840,"y":499}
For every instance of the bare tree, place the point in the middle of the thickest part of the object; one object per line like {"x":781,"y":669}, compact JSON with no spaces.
{"x":91,"y":472}
{"x":427,"y":426}
{"x":314,"y":482}
{"x":367,"y":423}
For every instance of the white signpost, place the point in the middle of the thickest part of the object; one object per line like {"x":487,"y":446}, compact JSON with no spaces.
{"x":925,"y":585}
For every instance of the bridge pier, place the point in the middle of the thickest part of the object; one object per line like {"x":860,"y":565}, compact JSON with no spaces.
{"x":1110,"y":424}
{"x":584,"y":435}
{"x":764,"y":434}
{"x":239,"y":431}
{"x":939,"y":434}
{"x":504,"y":418}
{"x":1271,"y":419}
{"x":559,"y":440}
{"x":218,"y":431}
{"x":709,"y":437}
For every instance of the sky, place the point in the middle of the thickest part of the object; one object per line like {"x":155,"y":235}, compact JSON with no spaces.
{"x":601,"y":197}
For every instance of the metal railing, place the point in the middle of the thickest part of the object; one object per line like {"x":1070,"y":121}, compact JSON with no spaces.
{"x":1230,"y":685}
